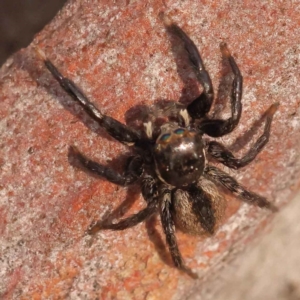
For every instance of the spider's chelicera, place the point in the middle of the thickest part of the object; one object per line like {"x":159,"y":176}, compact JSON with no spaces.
{"x":171,"y":163}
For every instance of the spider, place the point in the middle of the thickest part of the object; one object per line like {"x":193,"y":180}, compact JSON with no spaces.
{"x":171,"y":164}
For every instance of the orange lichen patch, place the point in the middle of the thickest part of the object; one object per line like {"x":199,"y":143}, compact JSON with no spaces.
{"x":83,"y":198}
{"x":68,"y":266}
{"x":72,"y":67}
{"x":187,"y":243}
{"x":209,"y":254}
{"x":132,"y":282}
{"x":35,"y":296}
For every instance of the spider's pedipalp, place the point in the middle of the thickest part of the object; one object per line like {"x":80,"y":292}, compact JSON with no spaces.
{"x":183,"y":113}
{"x":148,"y":129}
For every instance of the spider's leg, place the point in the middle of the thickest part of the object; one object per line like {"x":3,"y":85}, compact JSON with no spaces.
{"x":217,"y":128}
{"x":201,"y":105}
{"x":221,"y":154}
{"x":149,"y":188}
{"x":169,"y":230}
{"x":116,"y":129}
{"x":237,"y":189}
{"x":134,"y":169}
{"x":202,"y":208}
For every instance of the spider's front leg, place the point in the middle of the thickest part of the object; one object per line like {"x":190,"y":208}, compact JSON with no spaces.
{"x":149,"y":191}
{"x":221,"y":154}
{"x":117,"y":130}
{"x":201,"y":105}
{"x":234,"y":187}
{"x":217,"y":128}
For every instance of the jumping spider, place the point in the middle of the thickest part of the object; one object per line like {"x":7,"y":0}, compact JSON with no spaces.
{"x":171,"y":165}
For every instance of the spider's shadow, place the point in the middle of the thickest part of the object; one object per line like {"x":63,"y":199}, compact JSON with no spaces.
{"x":157,"y":240}
{"x":133,"y":191}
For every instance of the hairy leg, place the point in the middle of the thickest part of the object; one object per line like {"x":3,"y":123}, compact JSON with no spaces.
{"x":217,"y":128}
{"x":169,"y":230}
{"x":134,"y":169}
{"x":201,"y":105}
{"x":237,"y":189}
{"x":221,"y":154}
{"x":116,"y":129}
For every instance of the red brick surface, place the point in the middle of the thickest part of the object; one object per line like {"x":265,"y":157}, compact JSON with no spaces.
{"x":121,"y":57}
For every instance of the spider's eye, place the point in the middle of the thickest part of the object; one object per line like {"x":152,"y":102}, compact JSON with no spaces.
{"x":165,"y":137}
{"x":179,"y":131}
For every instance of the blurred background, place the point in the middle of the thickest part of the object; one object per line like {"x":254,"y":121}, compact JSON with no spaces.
{"x":20,"y":20}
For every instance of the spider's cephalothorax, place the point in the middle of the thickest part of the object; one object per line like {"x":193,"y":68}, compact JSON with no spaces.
{"x":179,"y":156}
{"x":176,"y":180}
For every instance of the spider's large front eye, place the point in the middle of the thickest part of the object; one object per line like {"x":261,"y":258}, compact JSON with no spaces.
{"x":179,"y":131}
{"x":165,"y":137}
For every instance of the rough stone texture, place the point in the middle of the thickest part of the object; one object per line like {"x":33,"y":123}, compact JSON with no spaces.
{"x":270,"y":270}
{"x":121,"y":57}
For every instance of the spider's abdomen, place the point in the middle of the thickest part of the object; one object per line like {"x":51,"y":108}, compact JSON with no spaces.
{"x":184,"y":213}
{"x":179,"y":156}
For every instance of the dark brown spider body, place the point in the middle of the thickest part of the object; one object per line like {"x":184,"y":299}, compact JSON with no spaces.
{"x":179,"y":156}
{"x":176,"y":179}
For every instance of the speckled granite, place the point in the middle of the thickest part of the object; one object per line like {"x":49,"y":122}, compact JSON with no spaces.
{"x":121,"y":56}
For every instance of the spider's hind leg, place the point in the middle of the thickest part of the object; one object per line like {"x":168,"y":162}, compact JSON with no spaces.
{"x":117,"y":130}
{"x":237,"y":189}
{"x":169,"y":230}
